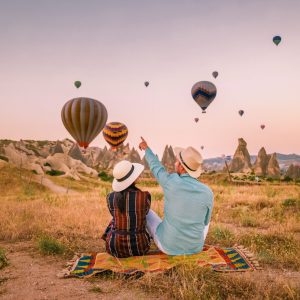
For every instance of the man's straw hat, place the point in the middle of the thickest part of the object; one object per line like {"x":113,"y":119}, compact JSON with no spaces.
{"x":190,"y":159}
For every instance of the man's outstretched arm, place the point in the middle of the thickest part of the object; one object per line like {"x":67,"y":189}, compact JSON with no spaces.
{"x":157,"y":169}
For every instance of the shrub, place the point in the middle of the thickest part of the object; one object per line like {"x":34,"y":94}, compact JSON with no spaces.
{"x":34,"y":172}
{"x":47,"y":165}
{"x":105,"y":177}
{"x":4,"y":158}
{"x":3,"y":259}
{"x":291,"y":203}
{"x":270,"y":179}
{"x":249,"y":222}
{"x":287,"y":179}
{"x":50,"y":246}
{"x":55,"y":173}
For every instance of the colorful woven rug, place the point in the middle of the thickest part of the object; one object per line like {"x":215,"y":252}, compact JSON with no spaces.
{"x":220,"y":259}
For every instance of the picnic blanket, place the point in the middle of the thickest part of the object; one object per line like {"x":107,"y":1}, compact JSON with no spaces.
{"x":234,"y":259}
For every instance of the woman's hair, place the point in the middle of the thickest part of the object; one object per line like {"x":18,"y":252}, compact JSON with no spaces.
{"x":120,"y":197}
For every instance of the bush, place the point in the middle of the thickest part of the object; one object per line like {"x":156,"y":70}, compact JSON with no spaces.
{"x":287,"y":179}
{"x":47,"y":165}
{"x":291,"y":203}
{"x":34,"y":172}
{"x":3,"y":259}
{"x":50,"y":246}
{"x":55,"y":173}
{"x":105,"y":177}
{"x":270,"y":179}
{"x":4,"y":158}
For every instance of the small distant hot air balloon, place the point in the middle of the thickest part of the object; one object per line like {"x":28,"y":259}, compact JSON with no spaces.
{"x":202,"y":147}
{"x":84,"y":118}
{"x":215,"y":74}
{"x":77,"y":84}
{"x":204,"y":92}
{"x":276,"y":40}
{"x":146,"y":83}
{"x":241,"y":112}
{"x":115,"y":133}
{"x":262,"y":126}
{"x":196,"y":120}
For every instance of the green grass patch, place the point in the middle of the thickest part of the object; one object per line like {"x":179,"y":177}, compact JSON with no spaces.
{"x":274,"y":249}
{"x":50,"y":246}
{"x":249,"y":221}
{"x":55,"y":173}
{"x":291,"y":203}
{"x":220,"y":235}
{"x":3,"y":259}
{"x":105,"y":177}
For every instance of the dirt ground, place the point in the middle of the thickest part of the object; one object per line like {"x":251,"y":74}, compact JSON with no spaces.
{"x":33,"y":276}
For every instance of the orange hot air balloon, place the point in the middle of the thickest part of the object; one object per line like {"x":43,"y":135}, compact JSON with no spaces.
{"x":115,"y":133}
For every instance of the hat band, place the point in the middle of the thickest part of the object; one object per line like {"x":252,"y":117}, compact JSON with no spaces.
{"x":185,"y":163}
{"x":127,"y":175}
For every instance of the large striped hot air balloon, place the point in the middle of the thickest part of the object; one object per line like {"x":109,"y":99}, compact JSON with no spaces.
{"x":115,"y":133}
{"x":204,"y":92}
{"x":84,"y":118}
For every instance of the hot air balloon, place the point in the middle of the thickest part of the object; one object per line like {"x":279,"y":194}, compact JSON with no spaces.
{"x":146,"y":83}
{"x":202,"y":147}
{"x":196,"y":120}
{"x":215,"y":74}
{"x":262,"y":126}
{"x":204,"y":92}
{"x":77,"y":84}
{"x":276,"y":40}
{"x":84,"y":118}
{"x":241,"y":112}
{"x":115,"y":133}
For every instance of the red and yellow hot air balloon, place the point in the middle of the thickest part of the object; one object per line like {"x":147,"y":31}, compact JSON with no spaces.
{"x":115,"y":133}
{"x":84,"y":118}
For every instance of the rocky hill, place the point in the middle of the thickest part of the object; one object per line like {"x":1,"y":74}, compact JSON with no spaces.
{"x":65,"y":156}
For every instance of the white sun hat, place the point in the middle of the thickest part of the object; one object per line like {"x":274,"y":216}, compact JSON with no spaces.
{"x":125,"y":173}
{"x":190,"y":159}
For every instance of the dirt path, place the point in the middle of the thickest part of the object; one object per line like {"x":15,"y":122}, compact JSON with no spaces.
{"x":33,"y":276}
{"x":51,"y":185}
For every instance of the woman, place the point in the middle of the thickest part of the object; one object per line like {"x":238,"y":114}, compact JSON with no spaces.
{"x":126,"y":234}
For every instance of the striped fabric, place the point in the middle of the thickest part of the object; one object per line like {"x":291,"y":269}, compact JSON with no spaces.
{"x":126,"y":235}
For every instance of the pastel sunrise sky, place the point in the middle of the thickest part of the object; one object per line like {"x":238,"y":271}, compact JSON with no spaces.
{"x":113,"y":46}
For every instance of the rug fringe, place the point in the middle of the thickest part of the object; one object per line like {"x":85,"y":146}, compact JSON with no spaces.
{"x":70,"y":266}
{"x":249,"y":255}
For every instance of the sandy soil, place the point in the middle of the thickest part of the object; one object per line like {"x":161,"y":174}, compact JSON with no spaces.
{"x":33,"y":276}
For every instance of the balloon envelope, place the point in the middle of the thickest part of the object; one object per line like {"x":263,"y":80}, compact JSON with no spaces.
{"x":196,"y":120}
{"x":115,"y":133}
{"x":276,"y":40}
{"x":84,"y":118}
{"x":202,"y":147}
{"x":215,"y":74}
{"x":241,"y":112}
{"x":262,"y":126}
{"x":146,"y":83}
{"x":77,"y":84}
{"x":204,"y":92}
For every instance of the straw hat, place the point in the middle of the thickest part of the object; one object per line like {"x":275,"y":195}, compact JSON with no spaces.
{"x":190,"y":159}
{"x":125,"y":173}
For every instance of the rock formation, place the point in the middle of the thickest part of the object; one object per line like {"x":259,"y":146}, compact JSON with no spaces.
{"x":273,"y":169}
{"x":75,"y":153}
{"x":241,"y":159}
{"x":57,"y":148}
{"x":168,"y":159}
{"x":293,"y":171}
{"x":261,"y":163}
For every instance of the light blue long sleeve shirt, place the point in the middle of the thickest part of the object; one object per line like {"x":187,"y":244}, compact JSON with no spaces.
{"x":188,"y":206}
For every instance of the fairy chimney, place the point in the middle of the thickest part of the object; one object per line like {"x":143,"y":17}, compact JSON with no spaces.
{"x":273,"y":169}
{"x":168,"y":159}
{"x":293,"y":171}
{"x":261,"y":163}
{"x":241,"y":159}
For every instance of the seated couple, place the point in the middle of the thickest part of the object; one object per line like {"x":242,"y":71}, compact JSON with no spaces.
{"x":188,"y":205}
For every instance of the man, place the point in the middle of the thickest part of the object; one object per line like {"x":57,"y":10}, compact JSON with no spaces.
{"x":187,"y":207}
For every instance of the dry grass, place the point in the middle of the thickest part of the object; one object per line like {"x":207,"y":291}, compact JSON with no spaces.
{"x":264,"y":218}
